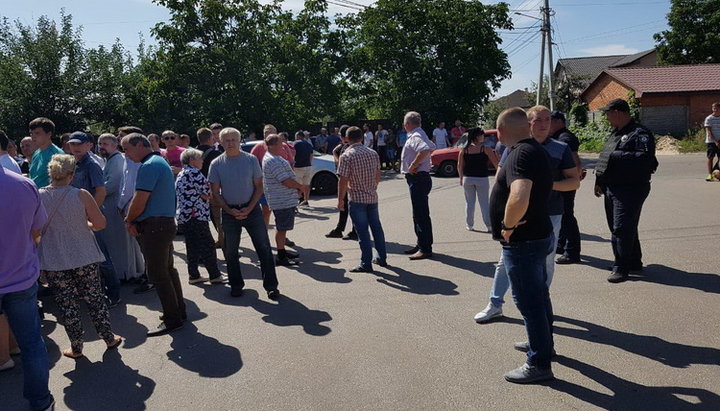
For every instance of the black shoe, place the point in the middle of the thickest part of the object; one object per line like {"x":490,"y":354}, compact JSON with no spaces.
{"x":563,"y":259}
{"x":637,"y":268}
{"x":144,"y":288}
{"x":525,"y":347}
{"x":361,"y":269}
{"x":273,"y":294}
{"x":352,"y":235}
{"x":163,"y":329}
{"x":617,"y":277}
{"x":334,"y":234}
{"x":183,"y":317}
{"x":291,"y":254}
{"x":559,"y":251}
{"x":236,"y":292}
{"x":289,"y":242}
{"x":285,"y":262}
{"x":381,"y":263}
{"x":420,"y":256}
{"x":412,"y":250}
{"x":114,"y":303}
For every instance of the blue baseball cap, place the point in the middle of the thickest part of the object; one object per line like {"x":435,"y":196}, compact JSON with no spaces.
{"x":79,"y":137}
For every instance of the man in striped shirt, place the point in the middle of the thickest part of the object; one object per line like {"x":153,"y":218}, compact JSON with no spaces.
{"x":359,"y":171}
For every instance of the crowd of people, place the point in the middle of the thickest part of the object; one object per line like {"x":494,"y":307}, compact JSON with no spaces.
{"x":96,"y":214}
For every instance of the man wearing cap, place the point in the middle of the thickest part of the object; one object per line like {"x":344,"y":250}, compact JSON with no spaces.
{"x":622,"y":175}
{"x":569,"y":239}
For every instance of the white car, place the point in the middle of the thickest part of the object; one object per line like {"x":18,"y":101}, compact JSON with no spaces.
{"x":324,"y":181}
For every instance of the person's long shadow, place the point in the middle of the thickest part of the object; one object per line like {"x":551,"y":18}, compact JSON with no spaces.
{"x":202,"y":354}
{"x":107,"y":384}
{"x":406,"y":281}
{"x":309,"y":214}
{"x":628,"y":395}
{"x":648,"y":346}
{"x":662,"y":274}
{"x":593,"y":237}
{"x":287,"y":312}
{"x":486,"y":269}
{"x":309,"y":266}
{"x":595,"y":262}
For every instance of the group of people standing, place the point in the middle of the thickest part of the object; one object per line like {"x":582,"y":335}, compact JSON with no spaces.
{"x":125,"y":214}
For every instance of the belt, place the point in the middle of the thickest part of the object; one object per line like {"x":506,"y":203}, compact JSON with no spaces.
{"x":157,"y":220}
{"x":418,"y":174}
{"x":238,"y":206}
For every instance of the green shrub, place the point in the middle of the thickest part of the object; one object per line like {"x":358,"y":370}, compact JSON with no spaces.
{"x":592,"y":136}
{"x":693,"y":141}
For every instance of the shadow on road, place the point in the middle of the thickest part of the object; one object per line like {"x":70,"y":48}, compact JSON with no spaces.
{"x":662,"y":274}
{"x":287,"y":312}
{"x":121,"y":386}
{"x":404,"y":280}
{"x":648,"y":346}
{"x":202,"y":354}
{"x":627,"y":395}
{"x":320,"y":272}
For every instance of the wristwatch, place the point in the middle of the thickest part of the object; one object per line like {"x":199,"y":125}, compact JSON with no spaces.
{"x":506,"y":228}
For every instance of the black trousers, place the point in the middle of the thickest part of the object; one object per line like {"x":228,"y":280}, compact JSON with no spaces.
{"x":420,"y":185}
{"x":342,"y":219}
{"x":156,"y":235}
{"x":200,"y":248}
{"x":623,"y":205}
{"x":569,"y":238}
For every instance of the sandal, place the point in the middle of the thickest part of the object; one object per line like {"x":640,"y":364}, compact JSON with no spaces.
{"x":116,"y":342}
{"x":72,"y":354}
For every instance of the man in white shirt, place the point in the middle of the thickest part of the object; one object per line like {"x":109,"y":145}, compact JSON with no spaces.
{"x":712,"y":138}
{"x":368,"y":136}
{"x":440,"y":136}
{"x":5,"y":160}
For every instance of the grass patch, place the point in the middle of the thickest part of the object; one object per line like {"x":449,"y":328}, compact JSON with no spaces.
{"x":592,"y":136}
{"x":693,"y":142}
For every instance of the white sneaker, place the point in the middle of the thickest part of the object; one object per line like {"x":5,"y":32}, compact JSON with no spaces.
{"x":10,"y":364}
{"x":468,"y":228}
{"x":488,"y":313}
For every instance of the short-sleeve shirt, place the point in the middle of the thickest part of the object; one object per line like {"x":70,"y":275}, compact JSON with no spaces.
{"x":235,"y":174}
{"x":156,"y":177}
{"x":173,"y":156}
{"x":360,"y":164}
{"x":368,"y":136}
{"x":39,"y":165}
{"x":440,"y":135}
{"x":566,"y":136}
{"x":88,"y":174}
{"x":560,"y":158}
{"x":457,"y":132}
{"x":288,"y":152}
{"x":417,"y":141}
{"x":526,"y":160}
{"x":276,"y":170}
{"x":320,"y":141}
{"x":22,"y":213}
{"x":332,"y":142}
{"x":210,"y":153}
{"x":714,"y":124}
{"x":380,"y":137}
{"x":9,"y":163}
{"x":303,"y":153}
{"x":189,"y":186}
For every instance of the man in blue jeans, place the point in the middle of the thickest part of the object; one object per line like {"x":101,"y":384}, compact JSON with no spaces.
{"x":416,"y":167}
{"x":23,"y":219}
{"x":359,"y":171}
{"x":237,"y":185}
{"x":521,"y":222}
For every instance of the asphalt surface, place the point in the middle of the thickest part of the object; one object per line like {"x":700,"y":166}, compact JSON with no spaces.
{"x":404,"y":338}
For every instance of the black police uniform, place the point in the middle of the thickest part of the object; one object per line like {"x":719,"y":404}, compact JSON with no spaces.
{"x":623,"y":173}
{"x":569,"y":238}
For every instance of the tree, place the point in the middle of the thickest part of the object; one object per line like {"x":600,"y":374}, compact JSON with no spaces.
{"x":693,"y":34}
{"x":440,"y":58}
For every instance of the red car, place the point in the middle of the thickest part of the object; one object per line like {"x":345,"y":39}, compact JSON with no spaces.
{"x":444,"y":160}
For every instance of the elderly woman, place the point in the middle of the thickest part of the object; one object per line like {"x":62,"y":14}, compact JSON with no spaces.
{"x":193,"y":215}
{"x":70,"y":255}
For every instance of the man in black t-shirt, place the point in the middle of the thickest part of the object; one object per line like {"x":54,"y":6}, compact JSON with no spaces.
{"x":210,"y":153}
{"x":521,"y":222}
{"x":337,"y":232}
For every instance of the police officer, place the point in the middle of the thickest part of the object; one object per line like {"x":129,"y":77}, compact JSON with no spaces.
{"x":569,"y":239}
{"x":623,"y":177}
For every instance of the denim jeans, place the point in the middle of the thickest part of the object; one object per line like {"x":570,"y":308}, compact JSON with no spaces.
{"x":526,"y":268}
{"x":420,"y":185}
{"x":255,"y":226}
{"x":477,"y":187}
{"x":110,"y":280}
{"x":501,"y":282}
{"x":623,"y":205}
{"x":22,"y":311}
{"x":365,"y":218}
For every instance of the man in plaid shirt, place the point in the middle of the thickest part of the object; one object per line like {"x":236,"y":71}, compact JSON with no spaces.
{"x":359,"y":171}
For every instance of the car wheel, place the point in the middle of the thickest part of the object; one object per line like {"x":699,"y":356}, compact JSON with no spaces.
{"x":324,"y":183}
{"x":448,"y":168}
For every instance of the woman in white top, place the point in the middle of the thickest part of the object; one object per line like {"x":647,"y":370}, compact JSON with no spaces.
{"x":70,"y":255}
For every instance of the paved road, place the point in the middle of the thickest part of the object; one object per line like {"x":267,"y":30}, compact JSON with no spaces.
{"x":404,"y":337}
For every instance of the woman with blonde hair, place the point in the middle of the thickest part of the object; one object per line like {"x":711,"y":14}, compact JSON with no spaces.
{"x":70,"y":255}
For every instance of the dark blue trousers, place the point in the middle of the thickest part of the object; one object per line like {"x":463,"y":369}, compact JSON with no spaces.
{"x":420,"y":185}
{"x":623,"y":205}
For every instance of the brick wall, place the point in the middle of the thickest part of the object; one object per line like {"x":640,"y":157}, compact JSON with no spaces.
{"x":698,"y":104}
{"x":604,"y":90}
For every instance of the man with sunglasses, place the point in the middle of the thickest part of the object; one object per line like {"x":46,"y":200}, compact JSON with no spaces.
{"x":173,"y":150}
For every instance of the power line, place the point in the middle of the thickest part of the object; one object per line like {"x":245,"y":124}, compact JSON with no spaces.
{"x":356,"y":8}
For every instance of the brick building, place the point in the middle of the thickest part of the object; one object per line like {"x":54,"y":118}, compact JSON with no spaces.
{"x":672,"y":99}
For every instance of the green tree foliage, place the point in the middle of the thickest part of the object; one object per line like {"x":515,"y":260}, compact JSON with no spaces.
{"x":440,"y":58}
{"x":693,"y":34}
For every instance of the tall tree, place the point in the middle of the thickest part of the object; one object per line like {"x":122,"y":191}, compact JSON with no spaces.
{"x":437,"y":57}
{"x":693,"y":34}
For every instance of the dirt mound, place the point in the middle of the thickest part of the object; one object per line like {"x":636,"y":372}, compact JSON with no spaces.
{"x":667,"y":145}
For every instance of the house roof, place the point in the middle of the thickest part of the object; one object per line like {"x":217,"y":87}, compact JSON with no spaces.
{"x":588,"y":67}
{"x":518,"y":98}
{"x":631,"y":58}
{"x":668,"y":79}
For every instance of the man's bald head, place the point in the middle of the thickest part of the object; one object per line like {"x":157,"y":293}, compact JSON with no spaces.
{"x":512,"y":125}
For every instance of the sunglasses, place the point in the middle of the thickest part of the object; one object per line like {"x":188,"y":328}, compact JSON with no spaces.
{"x":168,"y":138}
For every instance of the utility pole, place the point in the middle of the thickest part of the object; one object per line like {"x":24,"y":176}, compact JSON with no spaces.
{"x":551,"y":69}
{"x":542,"y":58}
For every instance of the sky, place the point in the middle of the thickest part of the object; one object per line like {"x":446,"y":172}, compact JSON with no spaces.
{"x":580,"y":27}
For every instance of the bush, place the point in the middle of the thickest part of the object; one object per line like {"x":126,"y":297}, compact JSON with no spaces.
{"x":592,"y":136}
{"x":693,"y":141}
